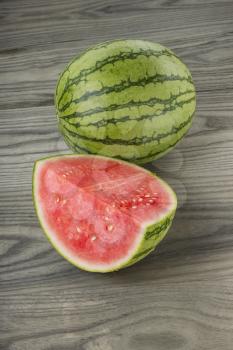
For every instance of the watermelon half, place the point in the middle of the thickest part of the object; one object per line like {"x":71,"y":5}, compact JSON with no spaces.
{"x":101,"y":214}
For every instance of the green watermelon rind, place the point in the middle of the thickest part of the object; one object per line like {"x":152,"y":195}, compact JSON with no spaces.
{"x":151,"y":234}
{"x":94,"y":139}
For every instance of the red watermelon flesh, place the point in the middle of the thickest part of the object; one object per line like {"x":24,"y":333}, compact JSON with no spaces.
{"x":95,"y":209}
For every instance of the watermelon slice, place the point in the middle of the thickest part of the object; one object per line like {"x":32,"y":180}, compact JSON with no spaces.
{"x":101,"y":214}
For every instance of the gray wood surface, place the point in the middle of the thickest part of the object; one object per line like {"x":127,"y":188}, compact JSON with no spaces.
{"x":181,"y":296}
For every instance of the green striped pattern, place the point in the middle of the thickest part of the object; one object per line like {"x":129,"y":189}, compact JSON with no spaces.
{"x":129,"y":99}
{"x":152,"y":236}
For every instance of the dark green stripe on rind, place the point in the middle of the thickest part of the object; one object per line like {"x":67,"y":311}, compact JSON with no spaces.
{"x":152,"y":103}
{"x":151,"y":155}
{"x":136,"y":141}
{"x":143,"y":253}
{"x":123,"y":85}
{"x":77,"y":148}
{"x":153,"y":234}
{"x":135,"y":159}
{"x":113,"y":107}
{"x":158,"y":229}
{"x":110,"y":60}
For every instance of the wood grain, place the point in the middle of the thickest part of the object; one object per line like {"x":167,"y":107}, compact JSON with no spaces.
{"x":180,"y":297}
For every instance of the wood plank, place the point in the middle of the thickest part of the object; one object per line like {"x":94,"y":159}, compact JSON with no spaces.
{"x":180,"y":297}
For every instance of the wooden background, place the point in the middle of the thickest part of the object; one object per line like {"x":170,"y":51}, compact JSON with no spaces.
{"x":181,"y":296}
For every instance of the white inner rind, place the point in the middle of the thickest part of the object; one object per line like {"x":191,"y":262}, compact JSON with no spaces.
{"x":67,"y":253}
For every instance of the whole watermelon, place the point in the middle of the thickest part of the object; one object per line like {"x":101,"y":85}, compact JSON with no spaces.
{"x":129,"y":99}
